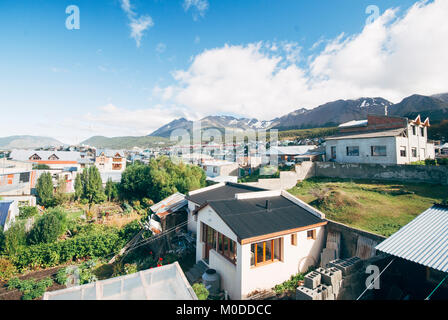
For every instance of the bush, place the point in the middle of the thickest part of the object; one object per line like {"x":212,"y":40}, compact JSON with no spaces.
{"x":289,"y":285}
{"x":2,"y":241}
{"x":84,"y":245}
{"x":7,"y":269}
{"x":31,"y":289}
{"x":201,"y":291}
{"x":15,"y":238}
{"x":47,"y":229}
{"x":62,"y":276}
{"x":27,"y":212}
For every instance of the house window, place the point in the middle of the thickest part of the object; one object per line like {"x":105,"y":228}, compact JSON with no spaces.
{"x":413,"y":130}
{"x":266,"y":252}
{"x":219,"y":242}
{"x":414,"y":152}
{"x":403,"y":151}
{"x":333,"y":152}
{"x":53,"y":158}
{"x":215,"y":169}
{"x":378,"y":151}
{"x":311,"y":234}
{"x":353,"y":151}
{"x":422,"y":131}
{"x":294,"y":239}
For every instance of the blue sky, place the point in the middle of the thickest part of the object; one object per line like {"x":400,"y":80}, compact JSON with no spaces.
{"x":71,"y":84}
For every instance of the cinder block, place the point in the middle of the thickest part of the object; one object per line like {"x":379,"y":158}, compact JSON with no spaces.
{"x":312,"y":280}
{"x":304,"y":293}
{"x":347,"y":266}
{"x":330,"y":276}
{"x":326,"y":291}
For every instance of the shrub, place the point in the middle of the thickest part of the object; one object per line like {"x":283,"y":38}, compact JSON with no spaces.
{"x":31,"y":288}
{"x":130,"y":268}
{"x":201,"y":291}
{"x":7,"y":269}
{"x":15,"y":238}
{"x":62,"y":276}
{"x":84,"y":245}
{"x":289,"y":285}
{"x":47,"y":229}
{"x":27,"y":212}
{"x":2,"y":241}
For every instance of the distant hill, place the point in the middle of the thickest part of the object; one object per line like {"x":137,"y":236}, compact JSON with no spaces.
{"x":331,"y":114}
{"x":426,"y":106}
{"x":126,"y":142}
{"x":217,"y":122}
{"x":28,"y":142}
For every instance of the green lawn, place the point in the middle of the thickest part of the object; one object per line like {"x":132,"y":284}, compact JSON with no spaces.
{"x":378,"y":207}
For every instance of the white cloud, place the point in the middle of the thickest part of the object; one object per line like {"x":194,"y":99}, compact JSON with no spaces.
{"x":393,"y":57}
{"x":138,"y":25}
{"x":110,"y":120}
{"x":161,"y":47}
{"x":199,"y":7}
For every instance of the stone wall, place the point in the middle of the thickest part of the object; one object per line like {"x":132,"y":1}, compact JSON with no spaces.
{"x":404,"y":173}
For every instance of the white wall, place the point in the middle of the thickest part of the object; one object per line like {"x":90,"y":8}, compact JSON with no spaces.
{"x":295,"y":259}
{"x":242,"y":279}
{"x":191,"y":222}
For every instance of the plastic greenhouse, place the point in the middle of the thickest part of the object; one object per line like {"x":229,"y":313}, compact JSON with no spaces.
{"x":162,"y":283}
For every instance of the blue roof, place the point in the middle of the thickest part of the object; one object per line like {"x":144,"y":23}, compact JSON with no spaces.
{"x":424,"y":240}
{"x":4,"y":209}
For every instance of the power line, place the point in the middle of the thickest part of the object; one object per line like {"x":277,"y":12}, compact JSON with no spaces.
{"x":375,"y":279}
{"x":427,"y":298}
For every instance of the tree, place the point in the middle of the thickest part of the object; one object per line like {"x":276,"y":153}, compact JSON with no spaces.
{"x":15,"y":237}
{"x":27,"y":212}
{"x":41,"y":166}
{"x":48,"y":228}
{"x":44,"y":189}
{"x":92,"y":185}
{"x":159,"y":179}
{"x":111,"y":190}
{"x":78,"y":187}
{"x":60,"y":195}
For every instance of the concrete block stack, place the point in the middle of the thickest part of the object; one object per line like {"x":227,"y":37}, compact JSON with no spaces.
{"x":343,"y":279}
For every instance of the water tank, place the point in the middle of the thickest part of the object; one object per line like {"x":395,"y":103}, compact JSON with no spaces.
{"x":210,"y":279}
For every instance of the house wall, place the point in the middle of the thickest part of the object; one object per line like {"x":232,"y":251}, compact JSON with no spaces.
{"x":191,"y":219}
{"x":364,"y":150}
{"x":295,"y":259}
{"x":418,"y":141}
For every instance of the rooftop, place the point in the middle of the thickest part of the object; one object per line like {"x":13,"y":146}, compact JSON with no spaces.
{"x":220,"y":191}
{"x":250,"y":217}
{"x":368,"y":134}
{"x":424,"y":240}
{"x":162,"y":283}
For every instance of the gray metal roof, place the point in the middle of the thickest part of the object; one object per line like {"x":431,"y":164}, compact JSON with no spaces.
{"x":25,"y":155}
{"x":424,"y":240}
{"x":365,"y":135}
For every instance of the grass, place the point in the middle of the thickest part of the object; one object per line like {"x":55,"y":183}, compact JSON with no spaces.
{"x":378,"y":207}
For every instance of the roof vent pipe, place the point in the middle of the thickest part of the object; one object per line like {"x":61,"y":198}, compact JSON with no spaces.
{"x":268,"y":205}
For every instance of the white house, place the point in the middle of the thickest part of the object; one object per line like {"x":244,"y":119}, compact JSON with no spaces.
{"x":110,"y":160}
{"x":220,"y":170}
{"x":219,"y":191}
{"x":381,"y":139}
{"x":9,"y":210}
{"x":258,"y":239}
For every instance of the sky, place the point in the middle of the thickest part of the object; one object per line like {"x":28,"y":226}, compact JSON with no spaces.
{"x":131,"y":66}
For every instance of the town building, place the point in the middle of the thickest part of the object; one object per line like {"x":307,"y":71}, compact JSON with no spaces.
{"x":381,"y":140}
{"x":420,"y":257}
{"x":9,"y":210}
{"x":258,"y":239}
{"x":220,"y":170}
{"x":53,"y":159}
{"x":219,"y":191}
{"x":110,"y":160}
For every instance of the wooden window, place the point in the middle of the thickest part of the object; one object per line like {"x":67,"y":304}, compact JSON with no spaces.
{"x":294,"y":239}
{"x":311,"y":234}
{"x":353,"y":151}
{"x":219,"y":242}
{"x":403,"y":151}
{"x":265,"y":252}
{"x":378,"y":151}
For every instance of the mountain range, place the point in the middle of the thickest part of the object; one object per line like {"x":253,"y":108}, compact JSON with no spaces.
{"x":28,"y":142}
{"x":330,"y":114}
{"x":327,"y":115}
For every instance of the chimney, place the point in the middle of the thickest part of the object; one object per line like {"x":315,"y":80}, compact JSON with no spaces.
{"x":268,"y":205}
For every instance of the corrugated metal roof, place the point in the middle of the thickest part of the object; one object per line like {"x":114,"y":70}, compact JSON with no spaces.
{"x":25,"y":155}
{"x":424,"y":240}
{"x":170,"y":204}
{"x":371,"y":134}
{"x":4,"y":209}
